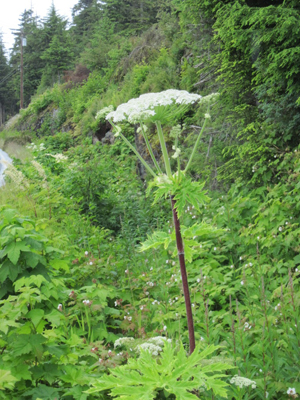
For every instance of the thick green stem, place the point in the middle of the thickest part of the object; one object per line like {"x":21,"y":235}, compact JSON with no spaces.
{"x":148,"y":168}
{"x":178,"y":158}
{"x":196,"y":145}
{"x":164,"y":149}
{"x":150,"y":149}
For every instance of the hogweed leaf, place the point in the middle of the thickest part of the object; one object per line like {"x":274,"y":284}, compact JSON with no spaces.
{"x":177,"y":374}
{"x":158,"y":238}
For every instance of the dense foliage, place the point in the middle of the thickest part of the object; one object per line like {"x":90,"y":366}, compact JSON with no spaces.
{"x":91,"y":300}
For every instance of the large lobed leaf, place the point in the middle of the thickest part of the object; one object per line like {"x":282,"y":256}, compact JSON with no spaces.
{"x":174,"y":372}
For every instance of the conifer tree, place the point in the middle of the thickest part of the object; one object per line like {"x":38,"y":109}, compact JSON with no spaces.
{"x":132,"y":15}
{"x":4,"y":76}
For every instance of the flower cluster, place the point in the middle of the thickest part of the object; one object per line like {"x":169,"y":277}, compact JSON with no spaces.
{"x":15,"y":175}
{"x":39,"y":169}
{"x":152,"y":348}
{"x":34,"y":147}
{"x":104,"y":111}
{"x":58,"y":157}
{"x":123,"y":341}
{"x":158,"y":340}
{"x":145,"y":107}
{"x":242,"y":382}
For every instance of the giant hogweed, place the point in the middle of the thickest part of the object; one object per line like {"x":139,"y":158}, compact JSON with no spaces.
{"x":163,"y":109}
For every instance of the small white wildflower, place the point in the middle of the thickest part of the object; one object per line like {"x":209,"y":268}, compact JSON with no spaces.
{"x":142,"y":307}
{"x":129,"y":318}
{"x":86,"y":253}
{"x":242,"y":282}
{"x":116,"y":304}
{"x":241,"y":258}
{"x":167,"y":261}
{"x":291,"y":391}
{"x":198,"y":280}
{"x":91,"y":263}
{"x":280,"y":229}
{"x":173,"y":263}
{"x":152,"y":348}
{"x":215,"y":248}
{"x":202,"y":339}
{"x":231,"y":266}
{"x":58,"y":157}
{"x":242,"y":382}
{"x":165,"y":328}
{"x":59,"y":307}
{"x":100,"y":360}
{"x":207,"y":116}
{"x":126,"y":271}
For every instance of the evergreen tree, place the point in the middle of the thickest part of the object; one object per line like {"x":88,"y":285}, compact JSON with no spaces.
{"x":28,"y":28}
{"x":57,"y":52}
{"x":4,"y":76}
{"x":86,"y":15}
{"x":132,"y":15}
{"x":57,"y":57}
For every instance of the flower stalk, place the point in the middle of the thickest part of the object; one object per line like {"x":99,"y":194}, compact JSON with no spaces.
{"x":150,"y":148}
{"x":164,"y":149}
{"x":148,"y":168}
{"x":185,"y":284}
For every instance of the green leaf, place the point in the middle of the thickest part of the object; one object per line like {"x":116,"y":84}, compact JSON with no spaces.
{"x":36,"y":316}
{"x":177,"y":374}
{"x":158,"y":238}
{"x":7,"y":380}
{"x":27,"y":344}
{"x":5,"y":324}
{"x":14,"y":250}
{"x":9,"y":270}
{"x":43,"y":392}
{"x":60,"y":265}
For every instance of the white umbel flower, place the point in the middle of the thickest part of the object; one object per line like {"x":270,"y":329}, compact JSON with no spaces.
{"x":123,"y":341}
{"x":242,"y":382}
{"x":144,"y":107}
{"x":152,"y":348}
